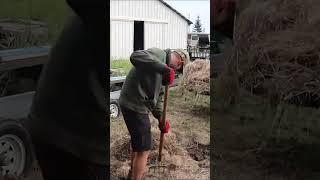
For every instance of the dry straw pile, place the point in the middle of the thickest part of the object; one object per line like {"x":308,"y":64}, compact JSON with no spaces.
{"x":196,"y":77}
{"x":176,"y":157}
{"x":277,"y":49}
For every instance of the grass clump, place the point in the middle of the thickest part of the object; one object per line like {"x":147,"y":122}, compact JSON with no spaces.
{"x":120,"y":67}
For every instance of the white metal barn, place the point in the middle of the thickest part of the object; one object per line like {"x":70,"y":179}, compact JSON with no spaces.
{"x":142,"y":24}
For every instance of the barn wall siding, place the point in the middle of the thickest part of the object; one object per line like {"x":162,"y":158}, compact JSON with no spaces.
{"x":163,"y":27}
{"x":121,"y":39}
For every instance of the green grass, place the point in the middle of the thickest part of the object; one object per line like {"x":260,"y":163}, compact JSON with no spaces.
{"x":53,"y":12}
{"x":121,"y":66}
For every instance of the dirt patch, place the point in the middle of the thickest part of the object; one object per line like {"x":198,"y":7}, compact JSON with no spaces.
{"x":123,"y":150}
{"x":198,"y":151}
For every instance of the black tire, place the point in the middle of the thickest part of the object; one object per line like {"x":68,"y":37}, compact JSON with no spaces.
{"x":14,"y":128}
{"x":115,"y":105}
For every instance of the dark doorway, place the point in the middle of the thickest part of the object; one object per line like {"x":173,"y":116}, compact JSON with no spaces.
{"x":138,"y":38}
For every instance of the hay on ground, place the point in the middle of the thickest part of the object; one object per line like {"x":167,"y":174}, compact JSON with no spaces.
{"x":196,"y":77}
{"x":277,"y":50}
{"x":180,"y":164}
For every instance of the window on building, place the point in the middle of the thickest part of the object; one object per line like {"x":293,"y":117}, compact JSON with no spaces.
{"x":195,"y":37}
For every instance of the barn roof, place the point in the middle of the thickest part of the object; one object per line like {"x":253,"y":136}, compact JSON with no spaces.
{"x":174,"y":10}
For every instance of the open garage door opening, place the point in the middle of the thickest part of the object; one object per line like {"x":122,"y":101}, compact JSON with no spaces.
{"x":138,"y":39}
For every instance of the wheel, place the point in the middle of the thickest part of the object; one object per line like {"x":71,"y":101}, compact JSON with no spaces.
{"x":15,"y":148}
{"x":114,"y":110}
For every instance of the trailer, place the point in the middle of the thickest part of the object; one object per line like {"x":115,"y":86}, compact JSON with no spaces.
{"x":115,"y":90}
{"x":19,"y":69}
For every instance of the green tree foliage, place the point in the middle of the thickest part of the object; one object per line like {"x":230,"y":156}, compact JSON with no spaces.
{"x":197,"y":25}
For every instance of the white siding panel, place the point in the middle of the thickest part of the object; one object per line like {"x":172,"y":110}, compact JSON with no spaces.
{"x":121,"y":39}
{"x":154,"y":35}
{"x":176,"y":30}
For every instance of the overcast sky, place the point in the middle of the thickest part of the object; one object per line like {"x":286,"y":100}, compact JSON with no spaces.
{"x":191,"y":9}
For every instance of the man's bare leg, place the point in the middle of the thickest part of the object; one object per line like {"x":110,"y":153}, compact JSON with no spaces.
{"x":139,"y":164}
{"x":133,"y":155}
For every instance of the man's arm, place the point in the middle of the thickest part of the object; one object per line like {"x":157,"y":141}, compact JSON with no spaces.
{"x":144,"y":59}
{"x":158,"y":110}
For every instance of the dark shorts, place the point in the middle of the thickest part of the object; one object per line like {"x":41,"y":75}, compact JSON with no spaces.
{"x":139,"y":128}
